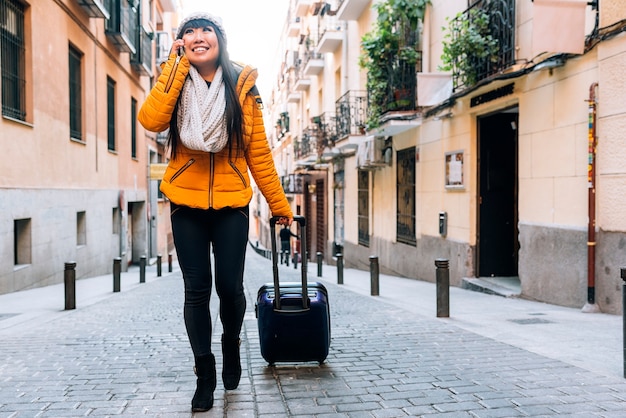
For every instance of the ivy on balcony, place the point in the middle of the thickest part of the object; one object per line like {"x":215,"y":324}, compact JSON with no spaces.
{"x":391,"y":56}
{"x":479,"y":42}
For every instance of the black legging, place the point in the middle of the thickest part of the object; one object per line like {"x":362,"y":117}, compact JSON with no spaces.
{"x":194,"y":231}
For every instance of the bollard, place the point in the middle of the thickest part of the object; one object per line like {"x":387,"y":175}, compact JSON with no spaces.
{"x":169,"y":263}
{"x":70,"y":285}
{"x":339,"y":268}
{"x":159,"y":258}
{"x":142,"y":269}
{"x":117,"y":271}
{"x":623,"y":275}
{"x":374,"y":279}
{"x":319,"y":263}
{"x":443,"y":288}
{"x":295,"y":260}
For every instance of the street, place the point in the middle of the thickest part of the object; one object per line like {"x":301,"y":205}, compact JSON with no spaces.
{"x":127,"y":354}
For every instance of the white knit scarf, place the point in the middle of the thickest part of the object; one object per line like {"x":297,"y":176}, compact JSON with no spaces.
{"x":201,"y":119}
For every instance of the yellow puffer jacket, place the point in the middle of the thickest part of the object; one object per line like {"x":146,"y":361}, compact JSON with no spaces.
{"x":215,"y":180}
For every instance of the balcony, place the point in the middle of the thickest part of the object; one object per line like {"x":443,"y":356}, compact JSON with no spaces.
{"x":396,"y":104}
{"x":121,"y":27}
{"x":351,"y":9}
{"x":307,"y":150}
{"x":302,"y":7}
{"x":469,"y":68}
{"x":332,"y":36}
{"x":162,"y":137}
{"x":94,"y":8}
{"x":313,"y":63}
{"x":302,"y":84}
{"x":141,"y":60}
{"x":351,"y":111}
{"x":293,"y":30}
{"x":327,"y":127}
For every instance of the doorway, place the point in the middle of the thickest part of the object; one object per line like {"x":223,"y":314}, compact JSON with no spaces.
{"x":497,"y":243}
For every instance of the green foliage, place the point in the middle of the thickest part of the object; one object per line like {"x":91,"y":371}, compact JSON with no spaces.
{"x":392,"y":38}
{"x":466,"y":42}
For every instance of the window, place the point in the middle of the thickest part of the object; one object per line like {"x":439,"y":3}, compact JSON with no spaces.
{"x":12,"y":53}
{"x":363,"y":198}
{"x":111,"y":113}
{"x":405,"y":230}
{"x":76,"y":93}
{"x":133,"y":128}
{"x":81,"y":228}
{"x":22,"y":242}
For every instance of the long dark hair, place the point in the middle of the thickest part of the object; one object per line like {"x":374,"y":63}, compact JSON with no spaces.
{"x":233,"y":112}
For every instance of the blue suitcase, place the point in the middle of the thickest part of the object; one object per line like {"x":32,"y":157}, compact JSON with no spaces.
{"x":293,"y":328}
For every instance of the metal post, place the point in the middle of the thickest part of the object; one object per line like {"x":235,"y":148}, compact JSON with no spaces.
{"x":623,"y":275}
{"x":159,"y":258}
{"x":443,"y":288}
{"x":70,"y":285}
{"x":339,"y":268}
{"x":319,"y":263}
{"x":117,"y":271}
{"x":374,"y":279}
{"x":142,"y":269}
{"x":169,"y":263}
{"x":295,"y":260}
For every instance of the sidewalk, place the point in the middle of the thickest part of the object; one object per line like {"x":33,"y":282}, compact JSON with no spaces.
{"x":592,"y":341}
{"x":30,"y":308}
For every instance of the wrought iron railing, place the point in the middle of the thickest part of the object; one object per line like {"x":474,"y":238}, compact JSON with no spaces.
{"x":400,"y":93}
{"x":327,"y":123}
{"x":501,"y":28}
{"x":351,"y":111}
{"x":308,"y":145}
{"x":141,"y":60}
{"x":122,"y":24}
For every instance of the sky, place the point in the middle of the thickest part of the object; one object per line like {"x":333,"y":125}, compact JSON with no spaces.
{"x":253,"y":29}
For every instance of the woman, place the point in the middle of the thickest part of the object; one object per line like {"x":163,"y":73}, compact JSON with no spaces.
{"x":216,"y":135}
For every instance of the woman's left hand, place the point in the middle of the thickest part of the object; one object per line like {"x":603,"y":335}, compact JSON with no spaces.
{"x":283,"y":220}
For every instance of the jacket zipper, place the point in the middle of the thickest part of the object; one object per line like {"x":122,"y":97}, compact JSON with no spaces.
{"x":170,"y":79}
{"x":212,"y":173}
{"x":243,"y":180}
{"x":182,"y":169}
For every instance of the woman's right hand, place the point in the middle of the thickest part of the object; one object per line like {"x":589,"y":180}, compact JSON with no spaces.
{"x":178,"y":47}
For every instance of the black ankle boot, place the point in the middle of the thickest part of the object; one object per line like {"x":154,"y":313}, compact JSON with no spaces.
{"x":231,"y":372}
{"x":205,"y":384}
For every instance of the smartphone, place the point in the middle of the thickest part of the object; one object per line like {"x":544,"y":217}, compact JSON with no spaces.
{"x":181,"y":50}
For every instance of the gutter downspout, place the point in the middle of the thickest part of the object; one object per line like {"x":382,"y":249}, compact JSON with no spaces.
{"x":591,"y":306}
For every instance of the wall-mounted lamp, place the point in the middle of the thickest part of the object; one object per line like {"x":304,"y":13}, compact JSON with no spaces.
{"x":549,"y":64}
{"x":311,"y":188}
{"x":444,"y":116}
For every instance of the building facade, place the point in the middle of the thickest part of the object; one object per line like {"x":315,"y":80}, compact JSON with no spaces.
{"x":502,"y":157}
{"x":75,"y":185}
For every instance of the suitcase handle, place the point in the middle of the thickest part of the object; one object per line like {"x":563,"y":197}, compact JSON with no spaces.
{"x":305,"y":299}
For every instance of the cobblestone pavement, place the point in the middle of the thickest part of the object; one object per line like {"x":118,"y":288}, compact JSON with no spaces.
{"x":128,"y":355}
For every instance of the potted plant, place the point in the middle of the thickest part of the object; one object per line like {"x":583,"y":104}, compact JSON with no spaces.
{"x":393,"y":40}
{"x":468,"y":44}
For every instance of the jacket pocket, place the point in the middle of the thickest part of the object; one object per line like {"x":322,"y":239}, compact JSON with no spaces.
{"x":182,"y":170}
{"x":241,"y":177}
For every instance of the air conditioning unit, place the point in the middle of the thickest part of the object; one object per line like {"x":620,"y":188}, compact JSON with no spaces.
{"x":371,"y":153}
{"x":291,"y":59}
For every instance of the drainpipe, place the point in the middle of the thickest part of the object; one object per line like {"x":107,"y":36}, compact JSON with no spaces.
{"x":591,"y":306}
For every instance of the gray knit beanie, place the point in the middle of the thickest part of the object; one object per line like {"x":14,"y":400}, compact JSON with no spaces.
{"x":215,"y":20}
